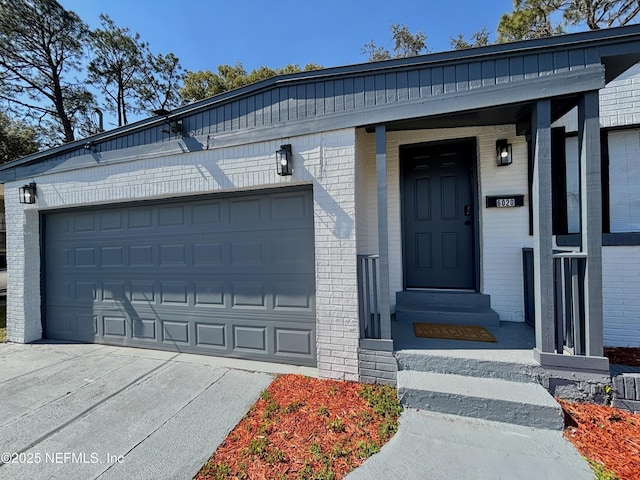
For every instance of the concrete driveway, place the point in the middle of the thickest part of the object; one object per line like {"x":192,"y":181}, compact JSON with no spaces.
{"x":97,"y":412}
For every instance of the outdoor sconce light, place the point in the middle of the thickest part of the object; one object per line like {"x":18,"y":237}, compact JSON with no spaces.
{"x":503,"y":152}
{"x":283,"y":159}
{"x":28,"y":193}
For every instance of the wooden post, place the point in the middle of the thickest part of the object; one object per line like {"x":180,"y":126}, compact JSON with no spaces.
{"x":591,"y":218}
{"x":383,"y":231}
{"x":543,"y":227}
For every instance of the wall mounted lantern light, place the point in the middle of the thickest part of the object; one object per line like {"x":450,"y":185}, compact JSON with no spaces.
{"x":503,"y":152}
{"x":283,"y":159}
{"x":28,"y":193}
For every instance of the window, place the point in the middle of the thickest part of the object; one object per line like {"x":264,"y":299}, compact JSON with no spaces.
{"x":572,"y":185}
{"x":620,"y":187}
{"x":624,"y":181}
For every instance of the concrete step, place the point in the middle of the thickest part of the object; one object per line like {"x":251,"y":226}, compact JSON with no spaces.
{"x":515,"y":369}
{"x":430,"y":299}
{"x":460,"y":315}
{"x":493,"y":399}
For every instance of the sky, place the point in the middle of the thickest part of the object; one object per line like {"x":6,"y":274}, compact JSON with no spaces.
{"x":207,"y":33}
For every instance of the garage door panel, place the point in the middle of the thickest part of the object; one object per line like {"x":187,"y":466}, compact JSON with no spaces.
{"x":292,"y":295}
{"x":293,"y":342}
{"x":111,"y":221}
{"x":144,"y":329}
{"x":78,"y":326}
{"x":250,"y":338}
{"x":247,"y":252}
{"x":211,"y":335}
{"x":290,"y":207}
{"x":114,"y":326}
{"x":207,"y":254}
{"x":225,"y":276}
{"x":245,"y":211}
{"x":174,"y":293}
{"x":248,"y":294}
{"x":175,"y":331}
{"x":84,"y":223}
{"x":139,"y":218}
{"x":207,"y":213}
{"x":209,"y":294}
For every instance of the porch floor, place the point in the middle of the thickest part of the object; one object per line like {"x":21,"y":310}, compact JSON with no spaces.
{"x":515,"y":343}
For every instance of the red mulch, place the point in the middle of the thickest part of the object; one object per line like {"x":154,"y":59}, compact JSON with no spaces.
{"x":607,"y":435}
{"x":623,"y":356}
{"x":302,"y":426}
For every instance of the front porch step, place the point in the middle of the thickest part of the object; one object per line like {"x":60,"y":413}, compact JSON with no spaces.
{"x":494,"y":399}
{"x":459,"y":315}
{"x":517,"y":366}
{"x":460,"y":308}
{"x":443,"y":298}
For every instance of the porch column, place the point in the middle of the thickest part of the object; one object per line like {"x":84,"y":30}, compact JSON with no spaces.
{"x":591,"y":218}
{"x":542,"y":227}
{"x":383,"y":231}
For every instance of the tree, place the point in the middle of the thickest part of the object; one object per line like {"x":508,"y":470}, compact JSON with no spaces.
{"x":598,"y":14}
{"x":543,"y":18}
{"x":130,"y":77}
{"x":205,"y":83}
{"x":478,"y":39}
{"x":118,"y":58}
{"x":16,"y":139}
{"x":162,"y":79}
{"x":41,"y":48}
{"x":405,"y":44}
{"x":530,"y":19}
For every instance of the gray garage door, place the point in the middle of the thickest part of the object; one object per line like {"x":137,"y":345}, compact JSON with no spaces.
{"x":230,"y":275}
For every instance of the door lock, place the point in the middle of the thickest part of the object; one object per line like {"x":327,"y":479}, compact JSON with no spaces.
{"x":467,"y":210}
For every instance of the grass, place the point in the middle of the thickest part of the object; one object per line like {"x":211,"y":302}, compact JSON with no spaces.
{"x":3,"y":324}
{"x":601,"y":472}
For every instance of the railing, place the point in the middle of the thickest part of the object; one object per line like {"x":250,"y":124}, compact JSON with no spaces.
{"x":368,"y":295}
{"x":529,"y":298}
{"x":569,"y":305}
{"x":568,"y":272}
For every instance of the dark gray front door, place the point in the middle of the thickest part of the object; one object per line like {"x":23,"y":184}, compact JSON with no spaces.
{"x":438,"y":216}
{"x":222,"y":275}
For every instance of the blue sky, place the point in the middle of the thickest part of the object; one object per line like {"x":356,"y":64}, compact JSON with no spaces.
{"x":206,"y":33}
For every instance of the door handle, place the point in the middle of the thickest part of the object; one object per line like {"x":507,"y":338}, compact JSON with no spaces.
{"x":467,"y":210}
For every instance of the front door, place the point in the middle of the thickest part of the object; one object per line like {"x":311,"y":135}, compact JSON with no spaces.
{"x":437,"y":214}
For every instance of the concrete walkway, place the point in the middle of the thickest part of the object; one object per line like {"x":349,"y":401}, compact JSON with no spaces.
{"x":97,"y":412}
{"x":431,"y":446}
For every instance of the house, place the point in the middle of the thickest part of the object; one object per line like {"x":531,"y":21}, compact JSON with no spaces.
{"x":250,"y":224}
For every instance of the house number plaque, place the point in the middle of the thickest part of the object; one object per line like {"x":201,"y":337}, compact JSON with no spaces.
{"x":505,"y":201}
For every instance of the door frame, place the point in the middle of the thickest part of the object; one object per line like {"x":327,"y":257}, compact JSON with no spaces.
{"x":471,"y":144}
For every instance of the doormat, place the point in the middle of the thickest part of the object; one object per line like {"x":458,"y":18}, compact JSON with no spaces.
{"x":474,"y":333}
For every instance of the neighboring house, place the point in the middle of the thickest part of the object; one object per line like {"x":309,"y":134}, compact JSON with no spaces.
{"x":178,"y":233}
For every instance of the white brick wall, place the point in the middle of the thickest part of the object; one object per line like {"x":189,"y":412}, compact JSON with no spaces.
{"x":327,"y":160}
{"x":620,"y":100}
{"x":23,"y":268}
{"x":619,"y":103}
{"x":504,"y":232}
